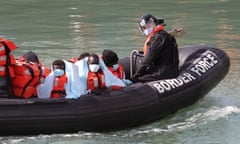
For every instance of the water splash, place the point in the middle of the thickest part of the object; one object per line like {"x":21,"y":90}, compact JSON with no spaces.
{"x":212,"y":114}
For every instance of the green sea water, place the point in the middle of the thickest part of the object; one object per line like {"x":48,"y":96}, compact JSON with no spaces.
{"x":61,"y":29}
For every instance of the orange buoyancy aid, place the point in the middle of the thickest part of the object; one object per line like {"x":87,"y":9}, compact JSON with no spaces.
{"x":155,"y":30}
{"x":119,"y":72}
{"x":6,"y":46}
{"x":6,"y":70}
{"x":44,"y":72}
{"x":6,"y":59}
{"x":27,"y":77}
{"x":95,"y":81}
{"x":5,"y":65}
{"x":58,"y":89}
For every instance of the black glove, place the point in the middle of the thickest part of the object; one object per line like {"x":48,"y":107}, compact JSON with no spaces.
{"x":133,"y":79}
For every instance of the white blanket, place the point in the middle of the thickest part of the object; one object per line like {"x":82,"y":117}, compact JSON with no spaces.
{"x":73,"y":86}
{"x":110,"y":79}
{"x":77,"y":80}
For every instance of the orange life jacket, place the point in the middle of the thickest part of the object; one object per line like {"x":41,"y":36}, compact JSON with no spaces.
{"x":6,"y":59}
{"x":3,"y":71}
{"x":6,"y":46}
{"x":119,"y":72}
{"x":44,"y":72}
{"x":95,"y":81}
{"x":27,"y":77}
{"x":157,"y":29}
{"x":58,"y":89}
{"x":5,"y":65}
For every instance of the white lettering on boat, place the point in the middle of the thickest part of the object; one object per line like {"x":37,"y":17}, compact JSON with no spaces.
{"x":167,"y":85}
{"x":199,"y":67}
{"x":203,"y":65}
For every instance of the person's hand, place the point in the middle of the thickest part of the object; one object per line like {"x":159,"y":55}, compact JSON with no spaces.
{"x":177,"y":32}
{"x":127,"y":82}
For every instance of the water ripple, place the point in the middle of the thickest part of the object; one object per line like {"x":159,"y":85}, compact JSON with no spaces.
{"x":212,"y":114}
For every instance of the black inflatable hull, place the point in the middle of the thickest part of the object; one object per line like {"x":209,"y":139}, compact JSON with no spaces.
{"x":202,"y":67}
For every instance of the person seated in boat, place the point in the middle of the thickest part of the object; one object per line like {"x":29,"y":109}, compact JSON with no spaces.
{"x":99,"y":78}
{"x":33,"y":58}
{"x":110,"y":58}
{"x":93,"y":66}
{"x":63,"y":81}
{"x":160,"y":52}
{"x":95,"y":77}
{"x":29,"y":73}
{"x":60,"y":79}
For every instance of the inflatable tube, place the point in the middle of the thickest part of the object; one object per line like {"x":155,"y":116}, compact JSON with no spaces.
{"x":202,"y":68}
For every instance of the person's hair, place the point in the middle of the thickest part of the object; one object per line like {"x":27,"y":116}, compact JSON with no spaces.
{"x":83,"y":55}
{"x":59,"y":63}
{"x":31,"y":57}
{"x":93,"y":59}
{"x":148,"y":17}
{"x":109,"y":57}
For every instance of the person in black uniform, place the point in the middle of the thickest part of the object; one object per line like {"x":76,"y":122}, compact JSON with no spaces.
{"x":160,"y":52}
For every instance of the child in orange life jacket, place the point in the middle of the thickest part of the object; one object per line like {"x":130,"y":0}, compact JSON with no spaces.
{"x":95,"y":78}
{"x":110,"y":58}
{"x":60,"y":79}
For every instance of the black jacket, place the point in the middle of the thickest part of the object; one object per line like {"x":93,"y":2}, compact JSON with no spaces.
{"x":161,"y":60}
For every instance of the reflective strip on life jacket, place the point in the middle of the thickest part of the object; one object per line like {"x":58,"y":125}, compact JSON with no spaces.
{"x":59,"y":87}
{"x":3,"y":71}
{"x":3,"y":59}
{"x":2,"y":49}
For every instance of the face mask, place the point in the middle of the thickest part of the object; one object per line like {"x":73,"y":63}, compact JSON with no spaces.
{"x":115,"y":67}
{"x":58,"y":72}
{"x":148,"y":31}
{"x":94,"y":67}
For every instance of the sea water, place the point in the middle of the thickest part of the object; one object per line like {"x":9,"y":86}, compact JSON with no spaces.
{"x":62,"y":29}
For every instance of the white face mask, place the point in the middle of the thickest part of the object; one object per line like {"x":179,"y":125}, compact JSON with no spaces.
{"x":94,"y":67}
{"x":115,"y":67}
{"x":58,"y":72}
{"x":148,"y":31}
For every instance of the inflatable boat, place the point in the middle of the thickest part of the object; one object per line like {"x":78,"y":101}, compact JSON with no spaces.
{"x":201,"y":69}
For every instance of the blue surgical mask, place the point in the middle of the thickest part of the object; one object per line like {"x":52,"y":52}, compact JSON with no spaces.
{"x":148,"y":31}
{"x":115,"y":67}
{"x":58,"y":72}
